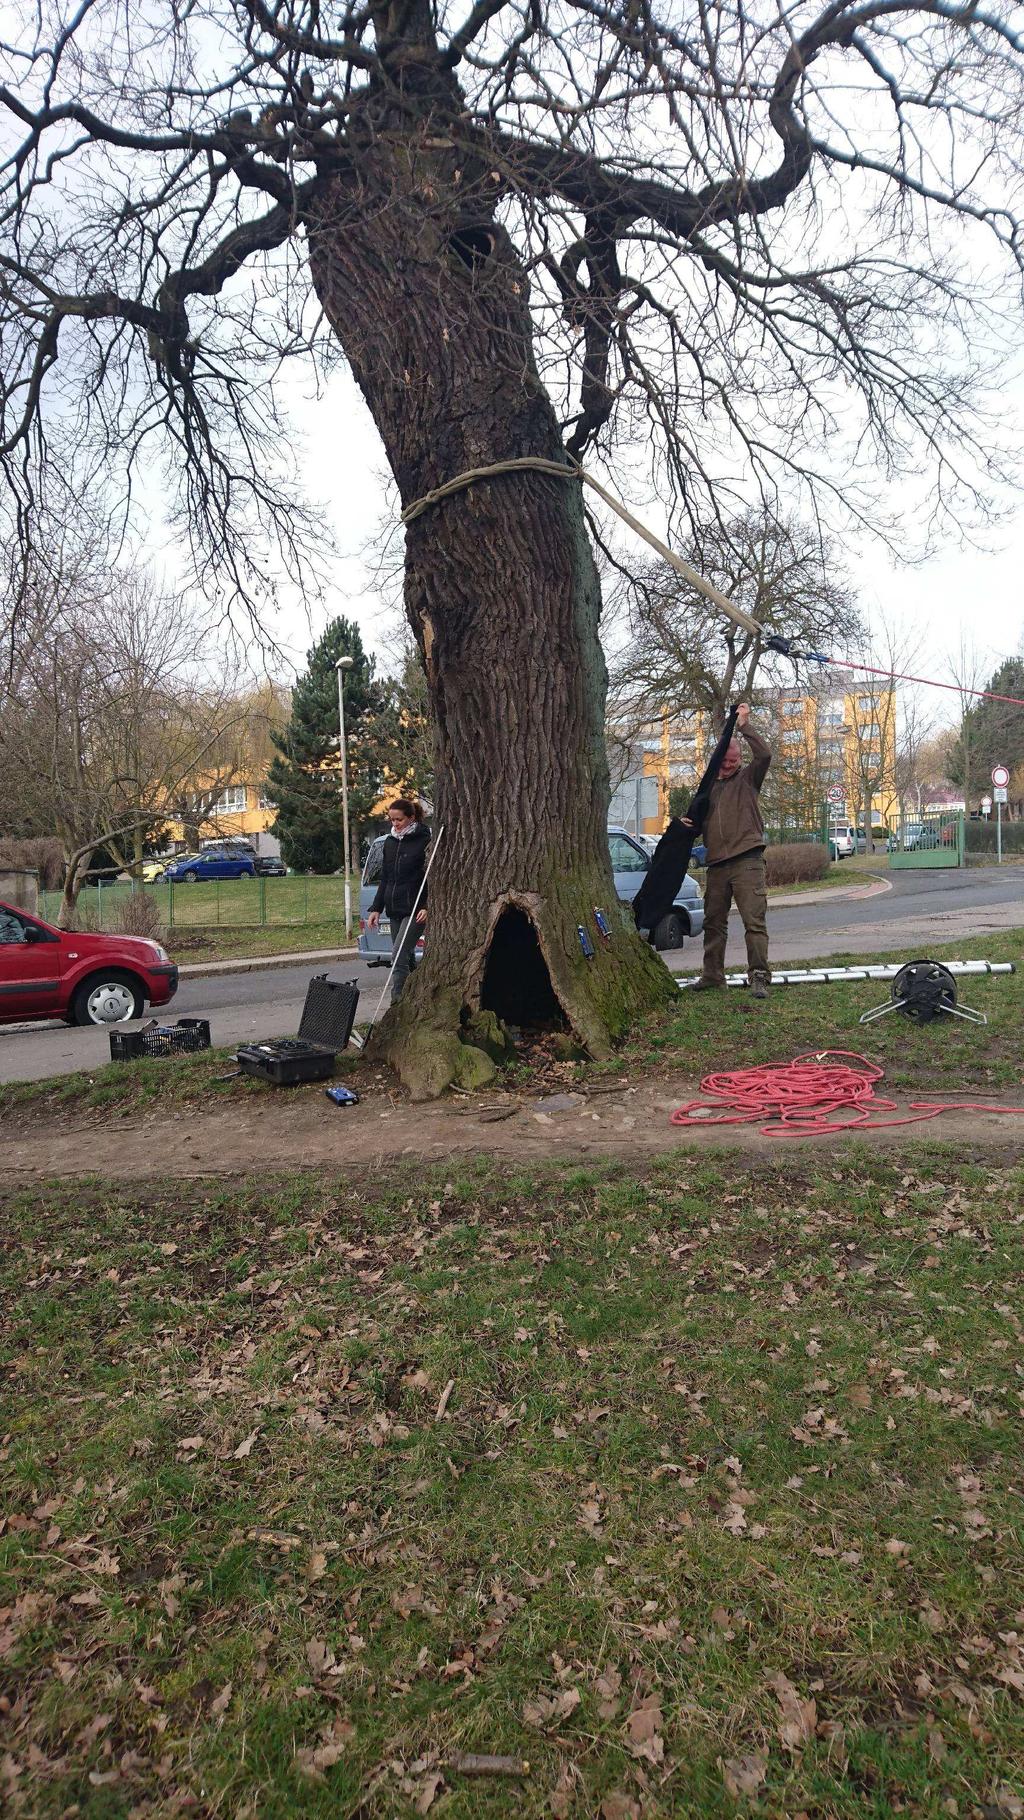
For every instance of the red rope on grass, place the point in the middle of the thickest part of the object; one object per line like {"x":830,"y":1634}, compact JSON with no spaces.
{"x":810,"y":1097}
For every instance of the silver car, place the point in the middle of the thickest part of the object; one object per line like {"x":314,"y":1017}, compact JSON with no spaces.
{"x":629,"y":866}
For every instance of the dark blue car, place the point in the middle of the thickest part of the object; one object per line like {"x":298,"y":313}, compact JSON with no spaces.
{"x":213,"y":862}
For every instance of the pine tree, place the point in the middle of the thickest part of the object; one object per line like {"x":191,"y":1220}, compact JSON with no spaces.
{"x":305,"y":778}
{"x":991,"y":732}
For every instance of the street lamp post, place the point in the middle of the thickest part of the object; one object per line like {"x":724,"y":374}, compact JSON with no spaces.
{"x":343,"y":664}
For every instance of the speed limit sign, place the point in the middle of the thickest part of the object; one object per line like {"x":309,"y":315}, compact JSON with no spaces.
{"x":1000,"y":776}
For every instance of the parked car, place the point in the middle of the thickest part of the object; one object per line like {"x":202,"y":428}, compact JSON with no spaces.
{"x":267,"y":867}
{"x":629,"y":866}
{"x":152,"y":869}
{"x":910,"y":837}
{"x":212,"y":862}
{"x":924,"y":837}
{"x":842,"y":840}
{"x":880,"y":835}
{"x":85,"y":979}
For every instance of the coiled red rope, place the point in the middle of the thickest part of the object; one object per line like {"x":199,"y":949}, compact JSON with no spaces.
{"x":810,"y":1097}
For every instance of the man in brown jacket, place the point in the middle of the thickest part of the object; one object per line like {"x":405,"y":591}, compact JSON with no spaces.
{"x":735,"y":842}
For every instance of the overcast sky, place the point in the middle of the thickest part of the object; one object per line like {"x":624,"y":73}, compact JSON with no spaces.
{"x":961,"y":594}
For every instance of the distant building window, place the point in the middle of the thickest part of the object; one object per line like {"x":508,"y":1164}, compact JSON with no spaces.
{"x":266,"y":802}
{"x":230,"y":801}
{"x":650,"y":745}
{"x":792,"y":736}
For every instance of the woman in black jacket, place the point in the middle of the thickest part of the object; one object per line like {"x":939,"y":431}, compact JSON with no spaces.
{"x":403,"y":863}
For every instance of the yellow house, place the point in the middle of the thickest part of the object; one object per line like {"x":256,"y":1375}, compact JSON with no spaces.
{"x":827,"y":748}
{"x":240,"y":809}
{"x":846,"y":745}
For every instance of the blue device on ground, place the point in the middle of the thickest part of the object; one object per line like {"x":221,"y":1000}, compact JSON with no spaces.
{"x":342,"y":1096}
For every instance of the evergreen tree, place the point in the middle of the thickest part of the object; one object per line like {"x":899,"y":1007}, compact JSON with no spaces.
{"x":305,"y":777}
{"x":992,"y":732}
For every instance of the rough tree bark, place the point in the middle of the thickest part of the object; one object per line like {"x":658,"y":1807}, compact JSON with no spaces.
{"x":503,"y":599}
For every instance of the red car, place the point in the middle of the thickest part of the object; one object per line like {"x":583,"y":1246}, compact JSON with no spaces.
{"x":85,"y":979}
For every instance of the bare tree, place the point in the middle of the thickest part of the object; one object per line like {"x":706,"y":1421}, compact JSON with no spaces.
{"x":678,"y":651}
{"x":112,"y":713}
{"x":968,"y":670}
{"x":525,"y":225}
{"x":913,"y":764}
{"x":874,"y":725}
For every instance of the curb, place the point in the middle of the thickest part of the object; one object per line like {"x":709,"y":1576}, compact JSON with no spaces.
{"x":832,"y":894}
{"x":263,"y":962}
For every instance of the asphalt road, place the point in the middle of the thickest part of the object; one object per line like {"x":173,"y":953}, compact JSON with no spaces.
{"x":921,"y":907}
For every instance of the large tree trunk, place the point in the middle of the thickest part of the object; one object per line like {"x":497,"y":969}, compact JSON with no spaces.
{"x":503,"y":599}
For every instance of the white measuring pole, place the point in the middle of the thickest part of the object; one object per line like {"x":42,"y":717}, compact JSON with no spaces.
{"x":434,"y":844}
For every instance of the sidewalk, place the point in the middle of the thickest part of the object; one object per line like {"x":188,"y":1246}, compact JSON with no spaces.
{"x":830,"y":894}
{"x":261,"y":962}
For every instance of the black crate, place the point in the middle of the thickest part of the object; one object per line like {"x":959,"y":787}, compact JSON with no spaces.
{"x":182,"y":1038}
{"x":329,"y":1012}
{"x":285,"y":1061}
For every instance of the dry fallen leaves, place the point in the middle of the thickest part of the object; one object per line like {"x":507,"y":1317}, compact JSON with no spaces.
{"x":799,"y":1717}
{"x":618,"y":1806}
{"x":545,"y":1713}
{"x":643,"y":1727}
{"x":743,"y":1776}
{"x":334,"y":1742}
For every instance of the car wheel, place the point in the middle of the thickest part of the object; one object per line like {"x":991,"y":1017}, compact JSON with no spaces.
{"x":191,"y":878}
{"x":108,"y":998}
{"x":671,"y":932}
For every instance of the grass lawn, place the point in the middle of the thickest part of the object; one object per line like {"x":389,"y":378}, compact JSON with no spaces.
{"x":224,"y":903}
{"x":696,"y":1494}
{"x":194,"y":945}
{"x":729,"y":1030}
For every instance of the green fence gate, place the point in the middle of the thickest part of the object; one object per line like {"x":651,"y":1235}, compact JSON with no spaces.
{"x":928,"y":840}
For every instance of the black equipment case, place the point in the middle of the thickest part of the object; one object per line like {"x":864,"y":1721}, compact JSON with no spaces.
{"x":327,"y":1019}
{"x":286,"y":1060}
{"x":329,"y":1012}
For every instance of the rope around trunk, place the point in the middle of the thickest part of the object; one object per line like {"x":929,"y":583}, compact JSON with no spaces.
{"x":560,"y":471}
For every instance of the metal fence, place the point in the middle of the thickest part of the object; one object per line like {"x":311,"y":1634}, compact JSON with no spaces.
{"x":928,"y":840}
{"x":241,"y":903}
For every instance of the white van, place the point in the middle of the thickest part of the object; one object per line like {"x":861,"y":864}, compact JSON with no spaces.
{"x":843,"y":839}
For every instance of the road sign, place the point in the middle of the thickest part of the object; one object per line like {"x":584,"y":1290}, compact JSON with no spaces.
{"x":836,"y":795}
{"x":1000,"y":777}
{"x":999,"y":793}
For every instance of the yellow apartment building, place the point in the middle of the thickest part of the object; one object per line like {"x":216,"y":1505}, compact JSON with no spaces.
{"x":826,"y":748}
